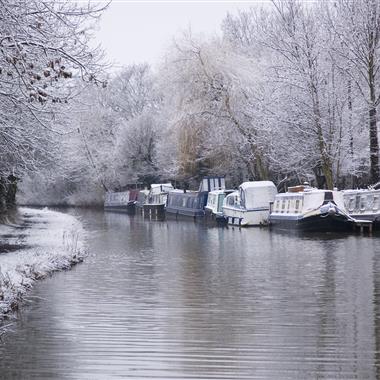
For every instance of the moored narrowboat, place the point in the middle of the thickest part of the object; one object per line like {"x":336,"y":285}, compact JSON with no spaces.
{"x":363,"y":204}
{"x":192,"y":203}
{"x":153,"y":202}
{"x":309,"y":209}
{"x":123,"y":201}
{"x":214,"y":206}
{"x":249,"y":206}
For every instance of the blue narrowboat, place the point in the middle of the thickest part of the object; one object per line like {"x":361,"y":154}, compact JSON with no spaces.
{"x":192,"y":203}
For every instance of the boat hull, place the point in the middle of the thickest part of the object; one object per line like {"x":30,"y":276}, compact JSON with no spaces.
{"x":317,"y":223}
{"x":214,"y":219}
{"x":374,"y":218}
{"x":128,"y":209}
{"x":152,"y":209}
{"x":245,"y":218}
{"x":193,"y":213}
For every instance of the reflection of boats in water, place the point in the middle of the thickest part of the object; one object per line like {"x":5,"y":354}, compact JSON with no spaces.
{"x":153,"y":202}
{"x":309,"y":209}
{"x":192,"y":203}
{"x":249,"y":206}
{"x":364,"y":204}
{"x":123,"y":201}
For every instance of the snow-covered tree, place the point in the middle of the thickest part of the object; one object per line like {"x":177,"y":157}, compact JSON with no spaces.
{"x":43,"y":47}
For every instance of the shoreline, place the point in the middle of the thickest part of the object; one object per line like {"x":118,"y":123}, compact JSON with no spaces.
{"x":38,"y":243}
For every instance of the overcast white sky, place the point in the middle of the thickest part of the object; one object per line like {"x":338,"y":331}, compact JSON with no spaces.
{"x":139,"y":31}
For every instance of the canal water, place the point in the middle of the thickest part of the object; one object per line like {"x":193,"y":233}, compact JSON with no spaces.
{"x":176,"y":299}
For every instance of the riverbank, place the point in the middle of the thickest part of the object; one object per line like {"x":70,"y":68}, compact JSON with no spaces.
{"x":34,"y":244}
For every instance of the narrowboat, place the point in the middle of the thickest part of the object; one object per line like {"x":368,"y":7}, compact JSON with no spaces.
{"x":363,"y":204}
{"x":214,"y":206}
{"x":309,"y":209}
{"x":122,"y":201}
{"x":153,"y":202}
{"x":250,"y":204}
{"x":192,"y":203}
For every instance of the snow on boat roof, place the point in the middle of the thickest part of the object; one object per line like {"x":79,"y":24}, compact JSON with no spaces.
{"x":154,"y":185}
{"x":256,"y":184}
{"x":179,"y":191}
{"x":118,"y":192}
{"x":221,"y":191}
{"x":301,"y":193}
{"x":354,"y":191}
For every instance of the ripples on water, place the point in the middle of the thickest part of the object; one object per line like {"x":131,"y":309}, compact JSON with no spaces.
{"x":180,"y":300}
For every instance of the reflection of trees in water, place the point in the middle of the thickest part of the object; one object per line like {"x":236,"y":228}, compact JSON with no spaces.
{"x":325,"y":290}
{"x":178,"y":298}
{"x":376,"y":304}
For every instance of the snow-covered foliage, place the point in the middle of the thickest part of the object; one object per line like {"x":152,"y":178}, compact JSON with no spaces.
{"x":44,"y":53}
{"x":42,"y":241}
{"x":289,"y":91}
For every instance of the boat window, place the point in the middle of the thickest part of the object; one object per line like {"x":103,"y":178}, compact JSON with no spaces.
{"x":329,"y":196}
{"x":283,"y":205}
{"x":297,"y":206}
{"x":363,"y":202}
{"x":351,"y":204}
{"x":375,"y":202}
{"x":288,"y":208}
{"x":220,"y":202}
{"x":277,"y":205}
{"x":242,"y":198}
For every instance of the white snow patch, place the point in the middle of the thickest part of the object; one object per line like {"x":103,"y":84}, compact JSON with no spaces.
{"x":49,"y":241}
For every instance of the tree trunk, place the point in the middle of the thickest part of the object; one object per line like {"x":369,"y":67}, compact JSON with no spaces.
{"x":373,"y":145}
{"x":11,"y":190}
{"x":261,"y":168}
{"x":324,"y":155}
{"x":373,"y":137}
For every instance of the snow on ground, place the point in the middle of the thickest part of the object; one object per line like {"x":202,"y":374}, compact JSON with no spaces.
{"x":41,"y":242}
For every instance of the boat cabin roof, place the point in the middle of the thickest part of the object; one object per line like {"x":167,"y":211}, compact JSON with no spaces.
{"x":157,"y":188}
{"x":164,"y":185}
{"x":310,"y":190}
{"x":181,"y":191}
{"x":256,"y":184}
{"x":217,"y":192}
{"x":360,"y":191}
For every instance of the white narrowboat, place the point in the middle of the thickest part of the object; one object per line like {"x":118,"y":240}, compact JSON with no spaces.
{"x":310,"y":209}
{"x":159,"y":193}
{"x":153,"y":201}
{"x":363,"y":204}
{"x":214,"y":206}
{"x":250,"y":204}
